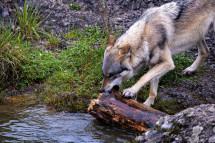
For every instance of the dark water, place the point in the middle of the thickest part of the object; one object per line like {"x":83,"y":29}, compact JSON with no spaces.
{"x":37,"y":124}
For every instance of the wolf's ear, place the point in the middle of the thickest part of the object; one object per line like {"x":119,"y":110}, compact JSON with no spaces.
{"x":124,"y":50}
{"x":111,"y":40}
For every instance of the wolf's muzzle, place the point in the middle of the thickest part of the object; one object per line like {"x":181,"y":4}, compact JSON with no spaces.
{"x":101,"y":91}
{"x":116,"y":87}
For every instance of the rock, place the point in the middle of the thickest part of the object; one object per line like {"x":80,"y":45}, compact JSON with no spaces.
{"x":211,"y":139}
{"x":139,"y":138}
{"x":194,"y":125}
{"x":6,"y":1}
{"x":166,"y":125}
{"x":197,"y":130}
{"x":5,"y":13}
{"x":65,"y":24}
{"x":195,"y":136}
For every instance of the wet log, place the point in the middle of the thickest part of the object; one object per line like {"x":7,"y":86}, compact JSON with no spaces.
{"x":125,"y":113}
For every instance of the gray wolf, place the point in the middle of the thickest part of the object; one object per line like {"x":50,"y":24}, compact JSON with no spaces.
{"x":153,"y":39}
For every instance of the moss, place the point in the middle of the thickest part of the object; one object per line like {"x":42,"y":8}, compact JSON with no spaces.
{"x":168,"y":106}
{"x":22,"y":100}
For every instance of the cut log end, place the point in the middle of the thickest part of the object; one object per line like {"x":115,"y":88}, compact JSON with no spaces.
{"x":125,"y":113}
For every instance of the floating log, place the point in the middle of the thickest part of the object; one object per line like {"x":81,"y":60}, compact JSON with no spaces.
{"x":125,"y":113}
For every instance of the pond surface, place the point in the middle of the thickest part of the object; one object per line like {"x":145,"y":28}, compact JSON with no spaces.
{"x":36,"y":123}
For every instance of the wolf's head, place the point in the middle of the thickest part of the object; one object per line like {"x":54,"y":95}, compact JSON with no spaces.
{"x":116,"y":65}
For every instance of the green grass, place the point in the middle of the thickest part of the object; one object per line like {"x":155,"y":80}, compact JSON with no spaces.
{"x":9,"y":56}
{"x":28,"y":22}
{"x":75,"y":72}
{"x":79,"y":76}
{"x":74,"y":6}
{"x":52,"y":42}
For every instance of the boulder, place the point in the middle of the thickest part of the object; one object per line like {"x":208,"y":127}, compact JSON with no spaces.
{"x":194,"y":125}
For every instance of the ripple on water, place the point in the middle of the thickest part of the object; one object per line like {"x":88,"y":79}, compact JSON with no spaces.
{"x":36,"y":123}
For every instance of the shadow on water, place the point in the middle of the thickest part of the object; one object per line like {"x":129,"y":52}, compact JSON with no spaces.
{"x":38,"y":124}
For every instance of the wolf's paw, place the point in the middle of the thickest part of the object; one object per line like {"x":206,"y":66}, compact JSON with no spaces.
{"x":129,"y":92}
{"x":149,"y":101}
{"x":188,"y":71}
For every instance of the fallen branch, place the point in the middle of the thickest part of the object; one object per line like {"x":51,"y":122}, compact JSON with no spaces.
{"x":125,"y":113}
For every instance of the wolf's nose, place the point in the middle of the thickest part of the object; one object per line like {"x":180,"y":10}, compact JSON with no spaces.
{"x":101,"y":90}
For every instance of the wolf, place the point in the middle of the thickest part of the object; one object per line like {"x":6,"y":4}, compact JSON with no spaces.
{"x":160,"y":33}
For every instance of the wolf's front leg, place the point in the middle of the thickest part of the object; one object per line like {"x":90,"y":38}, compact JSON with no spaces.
{"x":153,"y":92}
{"x":160,"y":69}
{"x":129,"y":92}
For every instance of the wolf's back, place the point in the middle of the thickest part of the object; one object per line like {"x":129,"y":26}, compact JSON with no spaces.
{"x":171,"y":8}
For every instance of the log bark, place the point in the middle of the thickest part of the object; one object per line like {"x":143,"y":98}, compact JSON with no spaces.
{"x":125,"y":113}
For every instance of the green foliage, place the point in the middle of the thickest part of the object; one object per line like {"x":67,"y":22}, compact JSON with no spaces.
{"x":28,"y":22}
{"x":80,"y":70}
{"x":9,"y":56}
{"x":76,"y":70}
{"x":74,"y":6}
{"x":38,"y":64}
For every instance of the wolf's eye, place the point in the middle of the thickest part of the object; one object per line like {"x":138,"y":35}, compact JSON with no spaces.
{"x":117,"y":72}
{"x":124,"y":69}
{"x":111,"y":74}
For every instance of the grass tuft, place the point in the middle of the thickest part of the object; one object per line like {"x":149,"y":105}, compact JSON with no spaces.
{"x":53,"y":42}
{"x":28,"y":22}
{"x":9,"y":56}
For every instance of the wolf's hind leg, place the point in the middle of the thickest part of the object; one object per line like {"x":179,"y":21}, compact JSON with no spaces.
{"x":203,"y":52}
{"x":153,"y":92}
